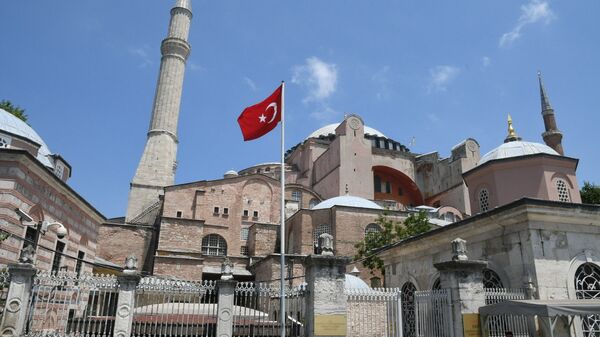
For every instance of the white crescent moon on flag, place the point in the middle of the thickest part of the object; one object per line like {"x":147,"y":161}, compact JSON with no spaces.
{"x":274,"y":105}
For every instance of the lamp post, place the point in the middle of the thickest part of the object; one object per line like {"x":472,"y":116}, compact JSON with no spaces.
{"x":41,"y":227}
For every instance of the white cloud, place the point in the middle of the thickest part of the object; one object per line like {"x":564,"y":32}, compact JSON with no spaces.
{"x":250,"y":83}
{"x":380,"y":78}
{"x":486,"y":61}
{"x":318,"y":76}
{"x":142,"y":54}
{"x":441,"y":76}
{"x":433,"y":118}
{"x":195,"y":67}
{"x":532,"y":12}
{"x":324,"y":113}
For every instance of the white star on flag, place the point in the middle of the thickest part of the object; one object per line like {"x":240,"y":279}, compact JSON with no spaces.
{"x":262,"y":118}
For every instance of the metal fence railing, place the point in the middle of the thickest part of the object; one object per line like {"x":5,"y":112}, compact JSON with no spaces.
{"x":65,"y":303}
{"x":4,"y":284}
{"x":498,"y":325}
{"x":433,"y":313}
{"x":256,"y":310}
{"x":175,"y":308}
{"x":374,"y":312}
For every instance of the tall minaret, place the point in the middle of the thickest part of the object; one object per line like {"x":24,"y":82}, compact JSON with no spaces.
{"x":157,"y":166}
{"x":552,"y":136}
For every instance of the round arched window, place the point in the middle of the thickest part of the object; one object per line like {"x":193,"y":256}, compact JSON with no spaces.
{"x":214,"y":244}
{"x":408,"y":309}
{"x":587,"y":286}
{"x":372,"y":228}
{"x":491,"y":279}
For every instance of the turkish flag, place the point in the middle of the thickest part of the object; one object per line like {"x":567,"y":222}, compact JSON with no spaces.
{"x":258,"y":119}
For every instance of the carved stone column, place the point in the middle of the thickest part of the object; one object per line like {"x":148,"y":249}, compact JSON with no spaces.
{"x":326,"y":302}
{"x":225,"y":307}
{"x":15,"y":310}
{"x":464,"y":279}
{"x":128,"y":281}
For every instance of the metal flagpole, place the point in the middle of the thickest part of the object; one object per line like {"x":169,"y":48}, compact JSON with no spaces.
{"x":282,"y":216}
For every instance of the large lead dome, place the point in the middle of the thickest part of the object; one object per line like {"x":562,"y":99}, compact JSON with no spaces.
{"x":14,"y":126}
{"x":516,"y":149}
{"x":330,"y":130}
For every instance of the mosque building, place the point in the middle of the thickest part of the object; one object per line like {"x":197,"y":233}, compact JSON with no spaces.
{"x":338,"y":180}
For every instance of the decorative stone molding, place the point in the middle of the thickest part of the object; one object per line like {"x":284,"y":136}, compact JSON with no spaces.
{"x":15,"y":318}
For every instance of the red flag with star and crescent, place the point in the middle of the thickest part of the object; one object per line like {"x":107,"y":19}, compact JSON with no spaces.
{"x":258,"y":119}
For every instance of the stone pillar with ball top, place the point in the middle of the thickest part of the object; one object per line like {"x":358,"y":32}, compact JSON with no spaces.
{"x":225,"y":306}
{"x":14,"y":318}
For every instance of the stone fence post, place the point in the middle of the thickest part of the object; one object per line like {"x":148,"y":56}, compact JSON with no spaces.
{"x":326,"y":301}
{"x":19,"y":292}
{"x":128,"y":281}
{"x":464,"y":279}
{"x":226,"y":286}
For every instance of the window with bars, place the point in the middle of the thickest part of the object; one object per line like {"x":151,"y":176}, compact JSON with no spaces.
{"x":244,"y":233}
{"x":297,"y":196}
{"x":484,"y":200}
{"x":214,"y":244}
{"x":491,"y":279}
{"x":244,"y":250}
{"x":408,"y":309}
{"x":587,"y":286}
{"x":562,"y":190}
{"x":320,"y":229}
{"x":79,"y":264}
{"x":372,"y":228}
{"x":60,"y":248}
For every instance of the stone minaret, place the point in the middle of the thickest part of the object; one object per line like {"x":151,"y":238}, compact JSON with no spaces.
{"x":157,"y":166}
{"x":552,"y":136}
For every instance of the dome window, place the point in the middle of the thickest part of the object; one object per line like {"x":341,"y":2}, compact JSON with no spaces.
{"x":562,"y":190}
{"x":297,"y":196}
{"x":372,"y":228}
{"x":5,"y":141}
{"x":484,"y":200}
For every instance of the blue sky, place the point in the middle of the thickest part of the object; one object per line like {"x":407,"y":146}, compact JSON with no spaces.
{"x":438,"y":71}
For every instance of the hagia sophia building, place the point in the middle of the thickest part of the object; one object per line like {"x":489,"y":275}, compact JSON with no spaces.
{"x":339,"y":179}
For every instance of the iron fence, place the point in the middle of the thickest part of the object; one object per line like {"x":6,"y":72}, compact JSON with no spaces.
{"x":433,"y":313}
{"x":374,"y":312}
{"x":4,"y":284}
{"x":65,"y":303}
{"x":256,"y":310}
{"x":175,"y":308}
{"x":498,"y":325}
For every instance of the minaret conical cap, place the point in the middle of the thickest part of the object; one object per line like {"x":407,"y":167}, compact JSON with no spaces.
{"x":543,"y":95}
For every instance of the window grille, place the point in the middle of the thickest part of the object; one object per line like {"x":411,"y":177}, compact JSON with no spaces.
{"x":437,"y":285}
{"x":563,"y":191}
{"x":297,"y":196}
{"x":5,"y":141}
{"x":491,"y":279}
{"x":408,"y":309}
{"x":484,"y":200}
{"x":244,"y":233}
{"x":214,"y":244}
{"x":244,"y":250}
{"x":60,"y":248}
{"x":372,"y":228}
{"x":587,"y":286}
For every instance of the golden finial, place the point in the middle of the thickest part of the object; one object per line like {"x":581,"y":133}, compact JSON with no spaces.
{"x":512,"y":135}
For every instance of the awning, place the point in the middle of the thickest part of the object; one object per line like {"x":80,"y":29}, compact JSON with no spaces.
{"x":543,"y":308}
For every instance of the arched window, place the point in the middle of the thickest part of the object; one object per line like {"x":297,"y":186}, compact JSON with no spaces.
{"x":372,"y":228}
{"x":437,"y":284}
{"x":562,"y":190}
{"x":214,"y":244}
{"x":484,"y":200}
{"x":491,"y":279}
{"x":408,"y":309}
{"x":312,"y":203}
{"x":320,"y":229}
{"x":587,"y":286}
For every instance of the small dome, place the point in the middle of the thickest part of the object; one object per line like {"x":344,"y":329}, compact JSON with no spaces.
{"x":330,"y":130}
{"x":230,"y":173}
{"x":516,"y":149}
{"x":347,"y":200}
{"x":12,"y":124}
{"x":353,"y":282}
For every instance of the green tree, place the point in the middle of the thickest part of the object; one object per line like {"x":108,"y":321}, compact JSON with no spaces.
{"x":590,"y":193}
{"x":13,"y":109}
{"x":391,"y":231}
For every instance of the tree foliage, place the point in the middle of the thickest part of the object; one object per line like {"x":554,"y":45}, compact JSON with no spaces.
{"x":13,"y":109}
{"x":391,"y":231}
{"x":590,"y":193}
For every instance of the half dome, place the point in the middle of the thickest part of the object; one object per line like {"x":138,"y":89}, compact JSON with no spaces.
{"x":348,"y":201}
{"x":516,"y":149}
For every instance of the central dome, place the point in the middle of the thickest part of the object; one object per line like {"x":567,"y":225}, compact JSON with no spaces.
{"x":349,"y":201}
{"x":516,"y":149}
{"x":330,"y":130}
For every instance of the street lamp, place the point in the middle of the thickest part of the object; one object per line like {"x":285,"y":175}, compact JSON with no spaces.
{"x":41,"y":227}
